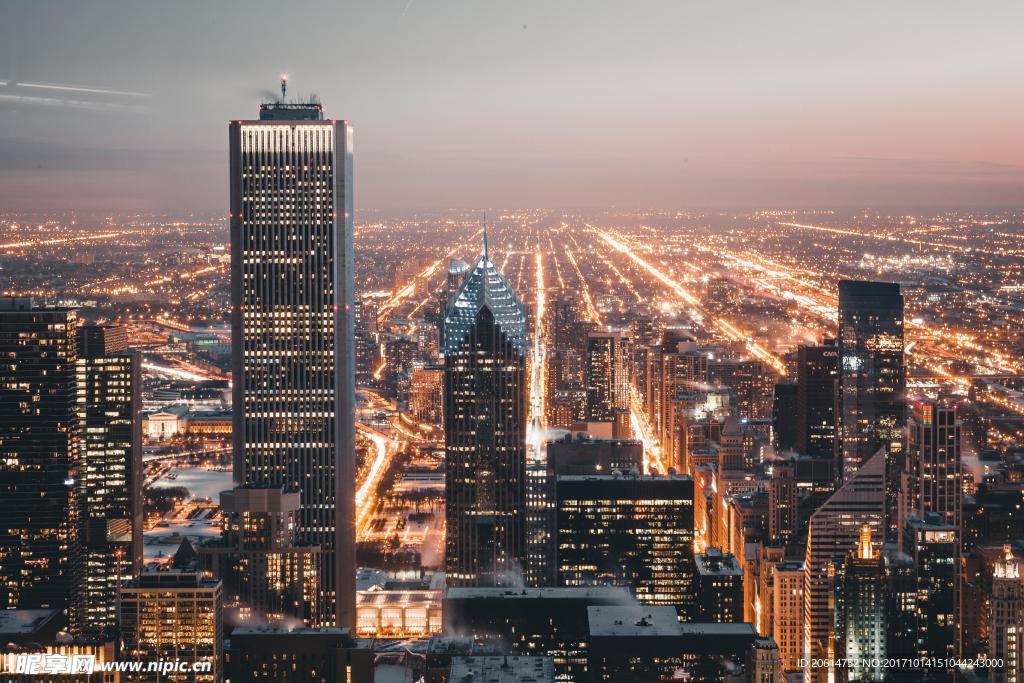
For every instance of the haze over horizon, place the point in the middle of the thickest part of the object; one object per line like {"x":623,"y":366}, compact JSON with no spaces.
{"x":597,"y":104}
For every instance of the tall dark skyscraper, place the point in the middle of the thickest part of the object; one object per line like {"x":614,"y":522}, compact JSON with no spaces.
{"x":933,"y":478}
{"x":110,"y":476}
{"x":817,"y":368}
{"x":872,"y":382}
{"x":40,"y":448}
{"x":485,"y":346}
{"x":783,"y":408}
{"x":934,"y":547}
{"x":607,"y":372}
{"x":292,"y":326}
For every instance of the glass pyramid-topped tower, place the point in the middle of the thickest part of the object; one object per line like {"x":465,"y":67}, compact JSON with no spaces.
{"x":485,"y":286}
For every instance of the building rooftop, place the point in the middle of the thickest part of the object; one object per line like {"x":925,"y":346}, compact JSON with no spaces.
{"x":609,"y":593}
{"x":165,"y":579}
{"x":789,"y":566}
{"x":625,"y":476}
{"x":265,"y":634}
{"x":584,"y":439}
{"x":714,"y":562}
{"x":461,"y":645}
{"x":505,"y":669}
{"x":634,"y":620}
{"x":310,"y":110}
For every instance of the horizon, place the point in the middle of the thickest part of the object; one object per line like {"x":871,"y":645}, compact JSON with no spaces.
{"x":798,"y":106}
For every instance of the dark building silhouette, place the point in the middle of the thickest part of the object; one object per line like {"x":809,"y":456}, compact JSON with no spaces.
{"x":934,"y":548}
{"x":645,"y":643}
{"x":298,"y":655}
{"x":719,"y":587}
{"x":485,"y":345}
{"x":646,"y":525}
{"x":784,"y":409}
{"x":536,"y":621}
{"x":817,"y":369}
{"x":40,"y":451}
{"x":872,"y":378}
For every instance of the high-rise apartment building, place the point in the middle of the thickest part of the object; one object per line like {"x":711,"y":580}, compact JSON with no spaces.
{"x":933,"y":475}
{"x":607,"y":373}
{"x":286,"y":654}
{"x":269,"y":576}
{"x":485,"y":345}
{"x":40,"y":453}
{"x":110,"y":475}
{"x":292,"y":327}
{"x":683,"y":369}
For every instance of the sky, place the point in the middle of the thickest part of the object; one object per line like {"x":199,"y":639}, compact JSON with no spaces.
{"x":522,"y":104}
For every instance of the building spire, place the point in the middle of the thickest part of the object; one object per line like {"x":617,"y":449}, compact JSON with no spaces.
{"x":486,"y":257}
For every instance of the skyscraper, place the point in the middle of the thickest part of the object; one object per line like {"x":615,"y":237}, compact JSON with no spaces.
{"x":817,"y":369}
{"x":485,"y":345}
{"x":110,"y":477}
{"x":934,"y":547}
{"x":631,"y":530}
{"x":782,"y":503}
{"x":860,"y":610}
{"x":834,"y":529}
{"x":788,"y":612}
{"x":292,"y":326}
{"x":683,"y":368}
{"x":872,"y":377}
{"x":40,"y":448}
{"x":933,"y":473}
{"x":1006,"y":620}
{"x":268,"y":576}
{"x":607,"y":373}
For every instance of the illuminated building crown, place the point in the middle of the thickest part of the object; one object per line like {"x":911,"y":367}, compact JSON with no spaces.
{"x":1007,"y":568}
{"x":485,"y":286}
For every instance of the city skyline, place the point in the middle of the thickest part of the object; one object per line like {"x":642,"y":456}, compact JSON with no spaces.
{"x":346,"y":435}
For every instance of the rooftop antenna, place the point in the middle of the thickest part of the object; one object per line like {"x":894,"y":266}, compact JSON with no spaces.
{"x":485,"y":238}
{"x":284,"y":86}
